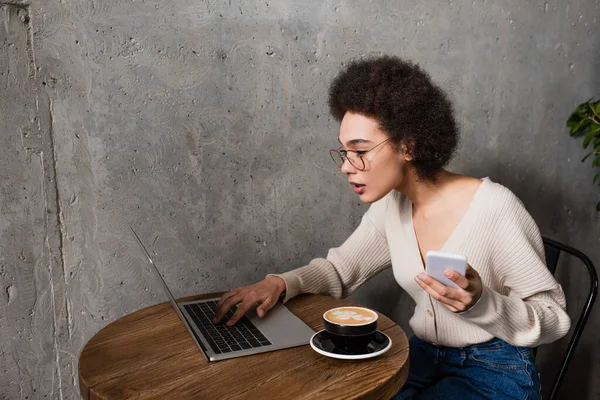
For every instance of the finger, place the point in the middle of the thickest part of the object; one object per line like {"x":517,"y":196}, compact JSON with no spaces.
{"x":436,"y":295}
{"x":265,"y":306}
{"x":439,"y":287}
{"x":226,"y":306}
{"x":226,"y":296}
{"x":223,"y":299}
{"x":451,"y":308}
{"x":248,"y":302}
{"x":457,"y":278}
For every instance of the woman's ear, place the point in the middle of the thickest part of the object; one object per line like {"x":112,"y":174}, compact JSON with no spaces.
{"x":406,"y":152}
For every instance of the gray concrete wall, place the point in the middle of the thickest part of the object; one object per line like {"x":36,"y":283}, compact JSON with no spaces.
{"x":205,"y":125}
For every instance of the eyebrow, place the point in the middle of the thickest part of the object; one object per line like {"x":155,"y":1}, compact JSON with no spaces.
{"x":355,"y":142}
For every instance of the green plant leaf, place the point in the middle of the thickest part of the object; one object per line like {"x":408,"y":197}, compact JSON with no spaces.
{"x":574,"y":119}
{"x":586,"y":117}
{"x":584,"y":108}
{"x":593,"y":132}
{"x":580,"y":126}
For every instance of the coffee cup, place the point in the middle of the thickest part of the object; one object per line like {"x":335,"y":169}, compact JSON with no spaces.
{"x":351,"y":328}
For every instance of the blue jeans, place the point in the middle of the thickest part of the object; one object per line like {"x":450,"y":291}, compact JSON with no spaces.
{"x":490,"y":370}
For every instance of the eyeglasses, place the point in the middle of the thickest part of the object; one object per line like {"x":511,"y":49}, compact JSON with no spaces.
{"x":339,"y":156}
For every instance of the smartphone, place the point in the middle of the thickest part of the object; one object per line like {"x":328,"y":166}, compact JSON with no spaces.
{"x":437,"y":262}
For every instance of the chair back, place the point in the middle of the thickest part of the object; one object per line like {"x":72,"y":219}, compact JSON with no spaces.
{"x":553,"y":250}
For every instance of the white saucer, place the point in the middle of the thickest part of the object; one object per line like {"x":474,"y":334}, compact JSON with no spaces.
{"x":321,"y":343}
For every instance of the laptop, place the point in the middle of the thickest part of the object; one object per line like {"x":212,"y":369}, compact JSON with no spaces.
{"x":278,"y":329}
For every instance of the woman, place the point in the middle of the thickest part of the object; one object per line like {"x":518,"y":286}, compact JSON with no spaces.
{"x":397,"y":133}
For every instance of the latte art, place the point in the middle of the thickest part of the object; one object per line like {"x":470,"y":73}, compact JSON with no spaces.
{"x":346,"y":315}
{"x":351,"y":316}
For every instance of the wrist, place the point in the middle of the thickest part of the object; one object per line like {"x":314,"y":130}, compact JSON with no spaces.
{"x":279,"y":282}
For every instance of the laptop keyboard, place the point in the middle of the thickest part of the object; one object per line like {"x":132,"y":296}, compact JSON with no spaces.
{"x":243,"y":335}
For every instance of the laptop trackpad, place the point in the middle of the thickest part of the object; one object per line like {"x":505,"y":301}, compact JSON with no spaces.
{"x":281,"y":326}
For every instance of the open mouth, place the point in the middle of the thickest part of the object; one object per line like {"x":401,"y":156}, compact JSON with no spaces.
{"x":358,"y":188}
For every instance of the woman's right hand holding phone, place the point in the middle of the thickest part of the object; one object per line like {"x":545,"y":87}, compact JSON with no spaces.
{"x":265,"y":294}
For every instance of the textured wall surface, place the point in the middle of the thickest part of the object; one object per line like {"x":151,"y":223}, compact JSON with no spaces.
{"x":204,"y":124}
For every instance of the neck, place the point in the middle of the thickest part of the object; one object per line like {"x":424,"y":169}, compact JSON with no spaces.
{"x":426,"y":194}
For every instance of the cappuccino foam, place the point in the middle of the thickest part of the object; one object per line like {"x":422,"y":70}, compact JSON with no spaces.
{"x":350,"y":316}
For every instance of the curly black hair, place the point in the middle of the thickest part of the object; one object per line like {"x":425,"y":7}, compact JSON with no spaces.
{"x":413,"y":111}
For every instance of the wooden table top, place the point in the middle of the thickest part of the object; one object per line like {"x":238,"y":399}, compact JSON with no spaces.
{"x":150,"y":354}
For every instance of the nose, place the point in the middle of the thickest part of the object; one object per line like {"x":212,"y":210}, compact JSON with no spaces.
{"x":348,"y":168}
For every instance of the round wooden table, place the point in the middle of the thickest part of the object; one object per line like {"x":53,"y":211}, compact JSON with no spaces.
{"x":150,"y":354}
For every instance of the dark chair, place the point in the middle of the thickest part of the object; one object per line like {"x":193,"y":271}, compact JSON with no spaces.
{"x":553,"y":249}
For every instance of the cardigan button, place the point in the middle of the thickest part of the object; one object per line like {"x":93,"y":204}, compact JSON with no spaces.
{"x":429,"y":313}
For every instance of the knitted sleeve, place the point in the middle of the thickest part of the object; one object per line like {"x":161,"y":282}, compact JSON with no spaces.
{"x":363,"y":254}
{"x":531,"y":309}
